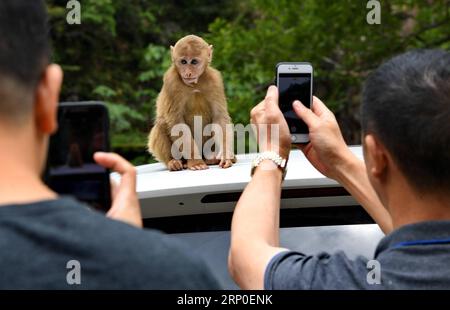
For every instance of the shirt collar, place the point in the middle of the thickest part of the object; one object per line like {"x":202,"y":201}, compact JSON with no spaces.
{"x":430,"y":230}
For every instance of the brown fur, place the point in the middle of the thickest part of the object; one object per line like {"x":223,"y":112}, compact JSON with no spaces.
{"x":180,"y":100}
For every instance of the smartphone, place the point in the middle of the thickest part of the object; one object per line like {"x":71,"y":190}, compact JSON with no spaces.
{"x":83,"y":129}
{"x":295,"y":82}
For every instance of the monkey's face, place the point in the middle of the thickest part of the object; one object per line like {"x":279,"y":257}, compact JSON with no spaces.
{"x":191,"y":67}
{"x":191,"y":55}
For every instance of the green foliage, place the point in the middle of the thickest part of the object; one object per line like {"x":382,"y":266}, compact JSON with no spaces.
{"x":120,"y":51}
{"x":121,"y":115}
{"x":333,"y":35}
{"x":156,"y":60}
{"x":100,"y":12}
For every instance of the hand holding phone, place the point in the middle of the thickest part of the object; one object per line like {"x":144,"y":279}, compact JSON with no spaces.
{"x":295,"y":82}
{"x":78,"y":163}
{"x":263,"y":116}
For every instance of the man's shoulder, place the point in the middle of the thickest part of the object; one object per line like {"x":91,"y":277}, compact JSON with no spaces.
{"x":296,"y":270}
{"x":144,"y":255}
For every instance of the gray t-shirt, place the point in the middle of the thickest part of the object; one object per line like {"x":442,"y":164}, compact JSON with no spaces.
{"x":37,"y":241}
{"x":415,"y":256}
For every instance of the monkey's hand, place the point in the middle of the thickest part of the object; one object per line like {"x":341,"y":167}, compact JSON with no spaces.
{"x":175,"y":165}
{"x":196,"y":164}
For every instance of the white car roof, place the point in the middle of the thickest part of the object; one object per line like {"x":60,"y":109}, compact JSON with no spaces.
{"x":164,"y":193}
{"x":154,"y":180}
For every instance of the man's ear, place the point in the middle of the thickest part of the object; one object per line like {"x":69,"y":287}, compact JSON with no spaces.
{"x":376,"y":157}
{"x":210,"y":53}
{"x":46,"y":99}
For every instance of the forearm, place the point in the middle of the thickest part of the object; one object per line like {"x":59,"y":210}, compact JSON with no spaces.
{"x":353,"y":177}
{"x":257,"y":212}
{"x":255,"y":227}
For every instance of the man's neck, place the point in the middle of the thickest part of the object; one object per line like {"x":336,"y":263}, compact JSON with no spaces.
{"x":19,"y":173}
{"x":408,"y":207}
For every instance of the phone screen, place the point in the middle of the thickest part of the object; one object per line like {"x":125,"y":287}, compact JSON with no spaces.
{"x":291,"y":87}
{"x":71,"y":170}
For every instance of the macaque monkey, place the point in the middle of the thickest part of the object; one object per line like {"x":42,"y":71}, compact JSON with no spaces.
{"x":191,"y":88}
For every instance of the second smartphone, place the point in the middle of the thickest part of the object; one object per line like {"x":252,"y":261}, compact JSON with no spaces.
{"x":71,"y":170}
{"x":295,"y":82}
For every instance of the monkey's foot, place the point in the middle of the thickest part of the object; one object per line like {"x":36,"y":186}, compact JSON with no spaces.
{"x":214,"y":161}
{"x":196,"y":164}
{"x":175,"y":165}
{"x":226,"y":163}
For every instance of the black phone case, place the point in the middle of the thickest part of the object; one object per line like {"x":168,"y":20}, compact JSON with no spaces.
{"x":88,"y":105}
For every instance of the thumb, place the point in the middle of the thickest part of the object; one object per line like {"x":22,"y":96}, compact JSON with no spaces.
{"x":319,"y":108}
{"x":305,"y":114}
{"x":114,"y":187}
{"x":120,"y":165}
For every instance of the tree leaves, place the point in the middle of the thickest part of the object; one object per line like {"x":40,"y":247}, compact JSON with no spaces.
{"x":120,"y":51}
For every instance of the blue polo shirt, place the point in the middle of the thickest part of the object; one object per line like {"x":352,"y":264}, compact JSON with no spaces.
{"x":415,"y":256}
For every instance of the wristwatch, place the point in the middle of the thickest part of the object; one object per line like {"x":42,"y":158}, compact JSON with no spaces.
{"x":277,"y":159}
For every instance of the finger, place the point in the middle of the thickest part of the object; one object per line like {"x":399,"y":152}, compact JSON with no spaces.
{"x":201,"y":167}
{"x":174,"y":167}
{"x":227,"y":164}
{"x":306,"y":148}
{"x":114,"y":162}
{"x":178,"y":165}
{"x":319,"y":108}
{"x":114,"y":187}
{"x":271,"y":100}
{"x":305,"y":114}
{"x":171,"y":166}
{"x":118,"y":164}
{"x":303,"y":147}
{"x":256,"y":109}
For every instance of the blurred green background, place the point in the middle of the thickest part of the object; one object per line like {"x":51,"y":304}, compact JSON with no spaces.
{"x":120,"y":51}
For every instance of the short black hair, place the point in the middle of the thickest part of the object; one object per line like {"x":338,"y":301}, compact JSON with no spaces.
{"x":406,"y":104}
{"x":24,"y":52}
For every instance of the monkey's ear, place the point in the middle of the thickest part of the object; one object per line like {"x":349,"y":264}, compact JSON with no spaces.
{"x":210,"y":53}
{"x":171,"y":52}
